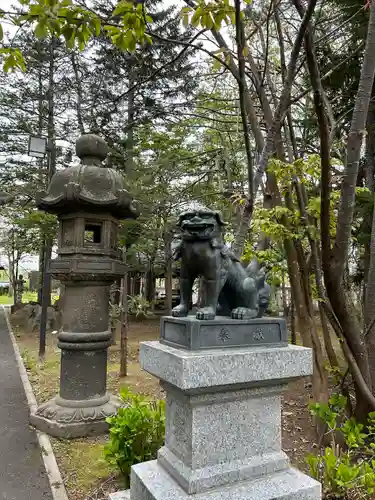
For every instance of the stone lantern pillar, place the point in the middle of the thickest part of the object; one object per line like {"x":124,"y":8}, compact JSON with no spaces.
{"x":89,"y":201}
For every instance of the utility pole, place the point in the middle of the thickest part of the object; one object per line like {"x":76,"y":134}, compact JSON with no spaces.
{"x":51,"y":168}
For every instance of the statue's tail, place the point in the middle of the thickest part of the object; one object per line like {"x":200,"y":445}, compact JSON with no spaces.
{"x":253,"y":268}
{"x":256,"y":272}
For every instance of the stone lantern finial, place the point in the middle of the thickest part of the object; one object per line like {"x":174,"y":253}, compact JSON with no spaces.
{"x":91,"y":146}
{"x":89,"y":186}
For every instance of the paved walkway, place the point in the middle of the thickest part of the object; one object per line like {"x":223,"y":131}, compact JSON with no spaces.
{"x":22,"y":472}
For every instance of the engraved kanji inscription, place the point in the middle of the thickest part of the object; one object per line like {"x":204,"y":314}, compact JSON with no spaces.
{"x":258,"y":334}
{"x":224,"y":334}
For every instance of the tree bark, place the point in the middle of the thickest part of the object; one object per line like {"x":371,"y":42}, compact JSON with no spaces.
{"x":354,"y":144}
{"x":369,"y":183}
{"x":293,"y":322}
{"x":331,"y":354}
{"x":150,"y":284}
{"x":168,"y":269}
{"x":130,"y":126}
{"x":79,"y":93}
{"x":249,"y":205}
{"x":334,"y":262}
{"x":124,"y":322}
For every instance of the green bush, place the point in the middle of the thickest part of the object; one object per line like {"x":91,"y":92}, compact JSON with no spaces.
{"x":136,"y":432}
{"x":346,"y":469}
{"x":139,"y":306}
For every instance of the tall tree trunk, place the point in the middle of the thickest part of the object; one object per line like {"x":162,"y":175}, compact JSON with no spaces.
{"x":150,"y":284}
{"x":130,"y":126}
{"x":124,"y":321}
{"x":345,"y":310}
{"x":283,"y":295}
{"x":335,"y":260}
{"x":327,"y":339}
{"x":369,"y":182}
{"x":249,"y":205}
{"x":293,"y":322}
{"x":354,"y":144}
{"x":79,"y":101}
{"x":168,"y":268}
{"x":114,"y":303}
{"x":303,"y":306}
{"x":10,"y":275}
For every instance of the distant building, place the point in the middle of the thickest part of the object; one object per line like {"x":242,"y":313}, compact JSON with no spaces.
{"x":4,"y":281}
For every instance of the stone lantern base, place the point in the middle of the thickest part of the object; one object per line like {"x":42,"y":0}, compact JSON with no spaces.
{"x":74,"y":419}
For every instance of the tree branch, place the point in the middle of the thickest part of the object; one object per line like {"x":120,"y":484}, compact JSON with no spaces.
{"x":285,"y":96}
{"x":324,"y":134}
{"x":354,"y":144}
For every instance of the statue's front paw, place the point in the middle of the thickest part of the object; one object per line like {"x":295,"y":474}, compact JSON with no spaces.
{"x":206,"y":313}
{"x":244,"y":313}
{"x":180,"y":311}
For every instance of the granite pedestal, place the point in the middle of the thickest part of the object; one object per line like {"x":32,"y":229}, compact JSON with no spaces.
{"x":223,"y":417}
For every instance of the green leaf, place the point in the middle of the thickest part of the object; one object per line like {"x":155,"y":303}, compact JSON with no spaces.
{"x":122,"y":7}
{"x":210,"y":21}
{"x":216,"y":65}
{"x":195,"y":20}
{"x":40,"y":30}
{"x":97,"y":25}
{"x":1,"y":33}
{"x":185,"y":20}
{"x":8,"y":63}
{"x":205,"y":19}
{"x":219,"y":17}
{"x":71,"y":41}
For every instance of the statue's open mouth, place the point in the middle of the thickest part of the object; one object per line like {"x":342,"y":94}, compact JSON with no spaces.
{"x":198,"y":229}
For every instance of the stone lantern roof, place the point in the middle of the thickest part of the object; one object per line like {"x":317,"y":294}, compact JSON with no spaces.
{"x":89,"y":186}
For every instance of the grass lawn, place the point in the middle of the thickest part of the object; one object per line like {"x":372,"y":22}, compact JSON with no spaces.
{"x":85,"y":472}
{"x":26,"y":297}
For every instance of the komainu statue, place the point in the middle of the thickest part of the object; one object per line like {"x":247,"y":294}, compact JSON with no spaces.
{"x":229,"y":288}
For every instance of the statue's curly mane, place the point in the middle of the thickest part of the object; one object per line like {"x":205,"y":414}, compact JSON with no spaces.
{"x":214,"y":242}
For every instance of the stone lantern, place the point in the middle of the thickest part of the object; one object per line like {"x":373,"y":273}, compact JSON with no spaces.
{"x":89,"y":200}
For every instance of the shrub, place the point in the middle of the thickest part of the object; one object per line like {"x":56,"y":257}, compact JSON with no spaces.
{"x":139,"y":306}
{"x":136,"y":432}
{"x":347,"y":467}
